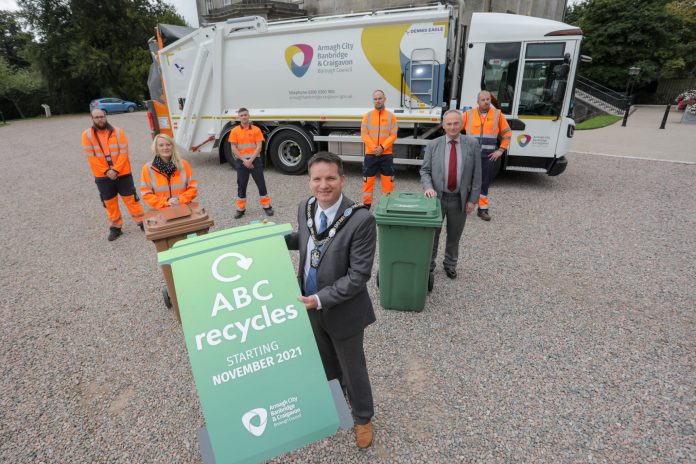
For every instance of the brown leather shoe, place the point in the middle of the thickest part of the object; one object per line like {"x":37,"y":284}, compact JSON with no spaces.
{"x":364,"y":435}
{"x":483,"y":214}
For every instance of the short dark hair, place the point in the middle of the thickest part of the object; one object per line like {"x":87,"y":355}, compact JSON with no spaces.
{"x":326,"y":157}
{"x":242,"y":110}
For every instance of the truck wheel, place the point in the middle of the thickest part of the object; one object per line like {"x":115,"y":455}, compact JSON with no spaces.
{"x":290,"y":152}
{"x":227,"y":151}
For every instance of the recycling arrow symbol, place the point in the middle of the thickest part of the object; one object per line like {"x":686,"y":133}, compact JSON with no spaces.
{"x":242,"y":262}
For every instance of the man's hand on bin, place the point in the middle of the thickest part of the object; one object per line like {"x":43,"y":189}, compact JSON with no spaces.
{"x":430,"y":193}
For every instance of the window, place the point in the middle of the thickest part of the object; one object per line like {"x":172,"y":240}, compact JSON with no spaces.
{"x":500,"y":63}
{"x":544,"y":80}
{"x":208,"y":6}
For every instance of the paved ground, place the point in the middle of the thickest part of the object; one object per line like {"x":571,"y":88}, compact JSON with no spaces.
{"x":642,"y":137}
{"x":570,"y":335}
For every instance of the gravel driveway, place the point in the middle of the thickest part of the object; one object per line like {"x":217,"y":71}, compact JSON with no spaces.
{"x":570,"y":335}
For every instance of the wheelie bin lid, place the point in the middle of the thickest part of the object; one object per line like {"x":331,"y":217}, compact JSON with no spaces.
{"x":409,"y":209}
{"x":176,"y":220}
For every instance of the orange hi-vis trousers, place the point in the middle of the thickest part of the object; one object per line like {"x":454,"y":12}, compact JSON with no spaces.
{"x":109,"y":191}
{"x":373,"y":165}
{"x":114,"y":212}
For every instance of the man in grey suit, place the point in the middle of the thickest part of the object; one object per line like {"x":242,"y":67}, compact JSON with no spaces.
{"x":451,"y":171}
{"x":337,"y":239}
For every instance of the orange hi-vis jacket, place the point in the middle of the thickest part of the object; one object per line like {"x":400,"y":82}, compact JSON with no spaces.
{"x":156,"y":188}
{"x":106,"y":149}
{"x":379,"y":127}
{"x":246,"y":139}
{"x":487,"y":129}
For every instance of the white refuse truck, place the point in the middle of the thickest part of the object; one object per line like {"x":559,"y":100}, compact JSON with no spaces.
{"x":308,"y":82}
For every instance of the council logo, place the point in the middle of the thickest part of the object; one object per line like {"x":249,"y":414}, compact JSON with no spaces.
{"x":523,"y":140}
{"x":254,"y":429}
{"x":306,"y":53}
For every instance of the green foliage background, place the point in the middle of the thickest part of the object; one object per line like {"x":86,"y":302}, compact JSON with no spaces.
{"x":84,"y":49}
{"x":659,"y":36}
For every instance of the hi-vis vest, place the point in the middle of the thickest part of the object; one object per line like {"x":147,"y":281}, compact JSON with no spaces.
{"x":112,"y":155}
{"x":156,"y":188}
{"x":379,"y":127}
{"x":487,"y":129}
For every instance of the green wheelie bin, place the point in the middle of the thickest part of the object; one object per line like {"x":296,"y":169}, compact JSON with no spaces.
{"x":406,"y":225}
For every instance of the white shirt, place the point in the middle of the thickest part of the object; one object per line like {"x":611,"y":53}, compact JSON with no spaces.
{"x":330,"y":216}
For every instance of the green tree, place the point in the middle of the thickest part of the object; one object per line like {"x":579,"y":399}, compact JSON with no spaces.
{"x":17,"y":84}
{"x":13,"y":40}
{"x":624,"y":33}
{"x":89,"y":48}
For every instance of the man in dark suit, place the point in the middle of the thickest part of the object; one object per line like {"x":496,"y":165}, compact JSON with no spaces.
{"x":451,"y":171}
{"x":337,"y":239}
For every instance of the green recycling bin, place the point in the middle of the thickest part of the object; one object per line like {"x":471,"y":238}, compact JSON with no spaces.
{"x":406,"y":230}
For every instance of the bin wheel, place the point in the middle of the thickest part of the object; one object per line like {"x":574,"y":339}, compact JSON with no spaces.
{"x":167,"y":300}
{"x":377,"y":279}
{"x":431,"y":281}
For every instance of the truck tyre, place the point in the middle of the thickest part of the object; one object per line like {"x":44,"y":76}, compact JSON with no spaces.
{"x":227,"y":151}
{"x":290,"y":152}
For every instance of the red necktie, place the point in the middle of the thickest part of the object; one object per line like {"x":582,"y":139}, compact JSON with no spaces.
{"x":452,"y":173}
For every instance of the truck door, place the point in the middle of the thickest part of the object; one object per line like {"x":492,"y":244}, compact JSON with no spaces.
{"x":541,"y":103}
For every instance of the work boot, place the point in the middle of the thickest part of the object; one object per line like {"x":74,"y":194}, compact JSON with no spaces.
{"x":114,"y":233}
{"x":364,"y":434}
{"x":239,"y":213}
{"x":483,"y":214}
{"x":269,"y":211}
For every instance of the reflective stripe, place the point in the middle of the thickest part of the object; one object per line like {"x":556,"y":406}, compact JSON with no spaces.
{"x":507,"y":137}
{"x":469,"y":121}
{"x":183,"y":177}
{"x":505,"y":131}
{"x":488,"y":147}
{"x":91,"y":142}
{"x":385,"y":127}
{"x":165,"y":188}
{"x":495,"y":121}
{"x":152,"y":177}
{"x":246,"y":145}
{"x":119,"y":147}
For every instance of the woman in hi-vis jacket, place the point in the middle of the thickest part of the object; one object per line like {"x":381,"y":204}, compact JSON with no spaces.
{"x":167,"y":180}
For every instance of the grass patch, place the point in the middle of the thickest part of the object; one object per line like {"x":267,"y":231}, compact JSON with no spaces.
{"x":598,"y":121}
